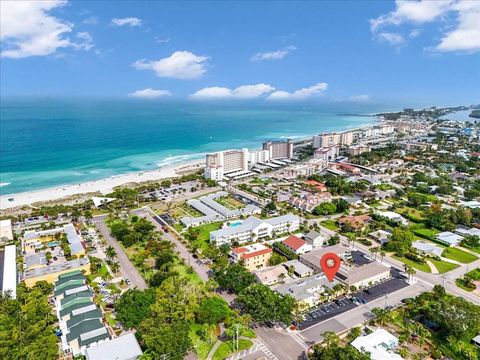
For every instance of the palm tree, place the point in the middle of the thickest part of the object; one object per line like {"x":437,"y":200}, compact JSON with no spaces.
{"x":110,"y":252}
{"x":374,"y":251}
{"x":409,"y":270}
{"x":382,"y":315}
{"x":382,"y":255}
{"x":330,"y":338}
{"x":114,"y":266}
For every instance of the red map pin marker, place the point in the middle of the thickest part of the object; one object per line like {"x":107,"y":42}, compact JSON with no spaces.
{"x":330,"y":264}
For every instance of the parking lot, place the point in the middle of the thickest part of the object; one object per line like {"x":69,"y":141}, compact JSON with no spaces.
{"x":326,"y":311}
{"x":331,"y":309}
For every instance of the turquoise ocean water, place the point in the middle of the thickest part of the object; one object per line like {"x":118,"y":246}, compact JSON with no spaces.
{"x":46,"y":142}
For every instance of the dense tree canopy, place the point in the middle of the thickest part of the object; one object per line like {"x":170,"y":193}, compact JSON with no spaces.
{"x":134,"y":306}
{"x":234,"y":277}
{"x":26,"y":324}
{"x":264,"y":304}
{"x":330,"y":349}
{"x":213,"y":310}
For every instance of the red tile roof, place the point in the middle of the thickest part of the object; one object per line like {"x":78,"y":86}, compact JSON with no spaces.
{"x":294,"y":242}
{"x":239,"y":250}
{"x":256,"y":253}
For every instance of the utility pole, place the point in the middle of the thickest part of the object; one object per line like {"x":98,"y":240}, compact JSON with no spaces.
{"x":237,"y":336}
{"x":385,"y":300}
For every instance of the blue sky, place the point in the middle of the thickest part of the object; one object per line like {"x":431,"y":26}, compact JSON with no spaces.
{"x":418,"y":52}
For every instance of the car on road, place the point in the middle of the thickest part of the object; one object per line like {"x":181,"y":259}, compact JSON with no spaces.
{"x":127,"y":281}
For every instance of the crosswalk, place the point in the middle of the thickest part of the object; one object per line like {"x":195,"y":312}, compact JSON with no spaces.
{"x":300,"y":339}
{"x":258,"y":346}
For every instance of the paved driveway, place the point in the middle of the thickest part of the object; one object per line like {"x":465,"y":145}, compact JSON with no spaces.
{"x":127,"y":269}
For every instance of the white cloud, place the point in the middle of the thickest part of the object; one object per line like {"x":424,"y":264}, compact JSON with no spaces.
{"x":149,"y":93}
{"x":360,"y":98}
{"x":414,"y":33}
{"x":299,"y":94}
{"x":391,"y":38}
{"x":27,"y":28}
{"x":465,"y":35}
{"x":85,"y":41}
{"x":241,"y":92}
{"x":91,"y":20}
{"x":273,"y":55}
{"x":179,"y":65}
{"x":162,"y":40}
{"x":129,"y":21}
{"x":412,"y":11}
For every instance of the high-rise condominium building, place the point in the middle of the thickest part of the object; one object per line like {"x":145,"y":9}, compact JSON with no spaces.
{"x":224,"y":162}
{"x":279,"y":149}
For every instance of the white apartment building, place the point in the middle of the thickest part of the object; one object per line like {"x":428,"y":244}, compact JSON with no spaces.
{"x":252,"y":229}
{"x":220,"y":163}
{"x":259,"y":156}
{"x":326,"y":140}
{"x":279,"y":149}
{"x":358,"y":149}
{"x":327,"y":153}
{"x":346,"y":138}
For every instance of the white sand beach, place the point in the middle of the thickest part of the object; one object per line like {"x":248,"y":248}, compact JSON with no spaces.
{"x":103,"y":186}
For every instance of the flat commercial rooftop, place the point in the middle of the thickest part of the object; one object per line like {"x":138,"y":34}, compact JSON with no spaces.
{"x":9,"y":276}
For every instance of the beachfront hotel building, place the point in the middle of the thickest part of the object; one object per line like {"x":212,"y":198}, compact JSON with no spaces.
{"x":332,"y":139}
{"x":224,"y":162}
{"x":259,"y":156}
{"x":253,"y":228}
{"x":279,"y":149}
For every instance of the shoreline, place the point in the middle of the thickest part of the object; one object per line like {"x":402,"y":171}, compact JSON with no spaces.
{"x":103,"y":186}
{"x":106,"y":185}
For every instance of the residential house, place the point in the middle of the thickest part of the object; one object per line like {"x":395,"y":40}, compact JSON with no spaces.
{"x":297,"y":245}
{"x":315,"y":239}
{"x":271,"y":275}
{"x":427,"y":248}
{"x":355,"y":222}
{"x":449,"y":238}
{"x":380,"y":236}
{"x":380,"y":345}
{"x":299,"y":269}
{"x":124,"y":347}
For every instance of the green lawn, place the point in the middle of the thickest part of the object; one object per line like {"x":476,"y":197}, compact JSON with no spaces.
{"x":100,"y":273}
{"x":463,"y":287}
{"x":230,"y":203}
{"x":203,"y":238}
{"x":330,"y":224}
{"x":426,"y":233}
{"x":183,"y":271}
{"x":458,"y":255}
{"x":226,"y":349}
{"x":475,"y":249}
{"x":411,"y":213}
{"x":443,"y":266}
{"x":475,"y":274}
{"x":204,"y":230}
{"x":415,"y":265}
{"x":202,"y":348}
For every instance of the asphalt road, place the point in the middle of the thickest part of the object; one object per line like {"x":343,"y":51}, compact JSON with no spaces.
{"x":182,"y":250}
{"x":127,"y":269}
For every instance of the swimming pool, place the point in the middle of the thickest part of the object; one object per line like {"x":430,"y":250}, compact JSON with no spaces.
{"x":236,"y":223}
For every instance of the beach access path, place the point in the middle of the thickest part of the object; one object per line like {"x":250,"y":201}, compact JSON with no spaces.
{"x":127,"y":269}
